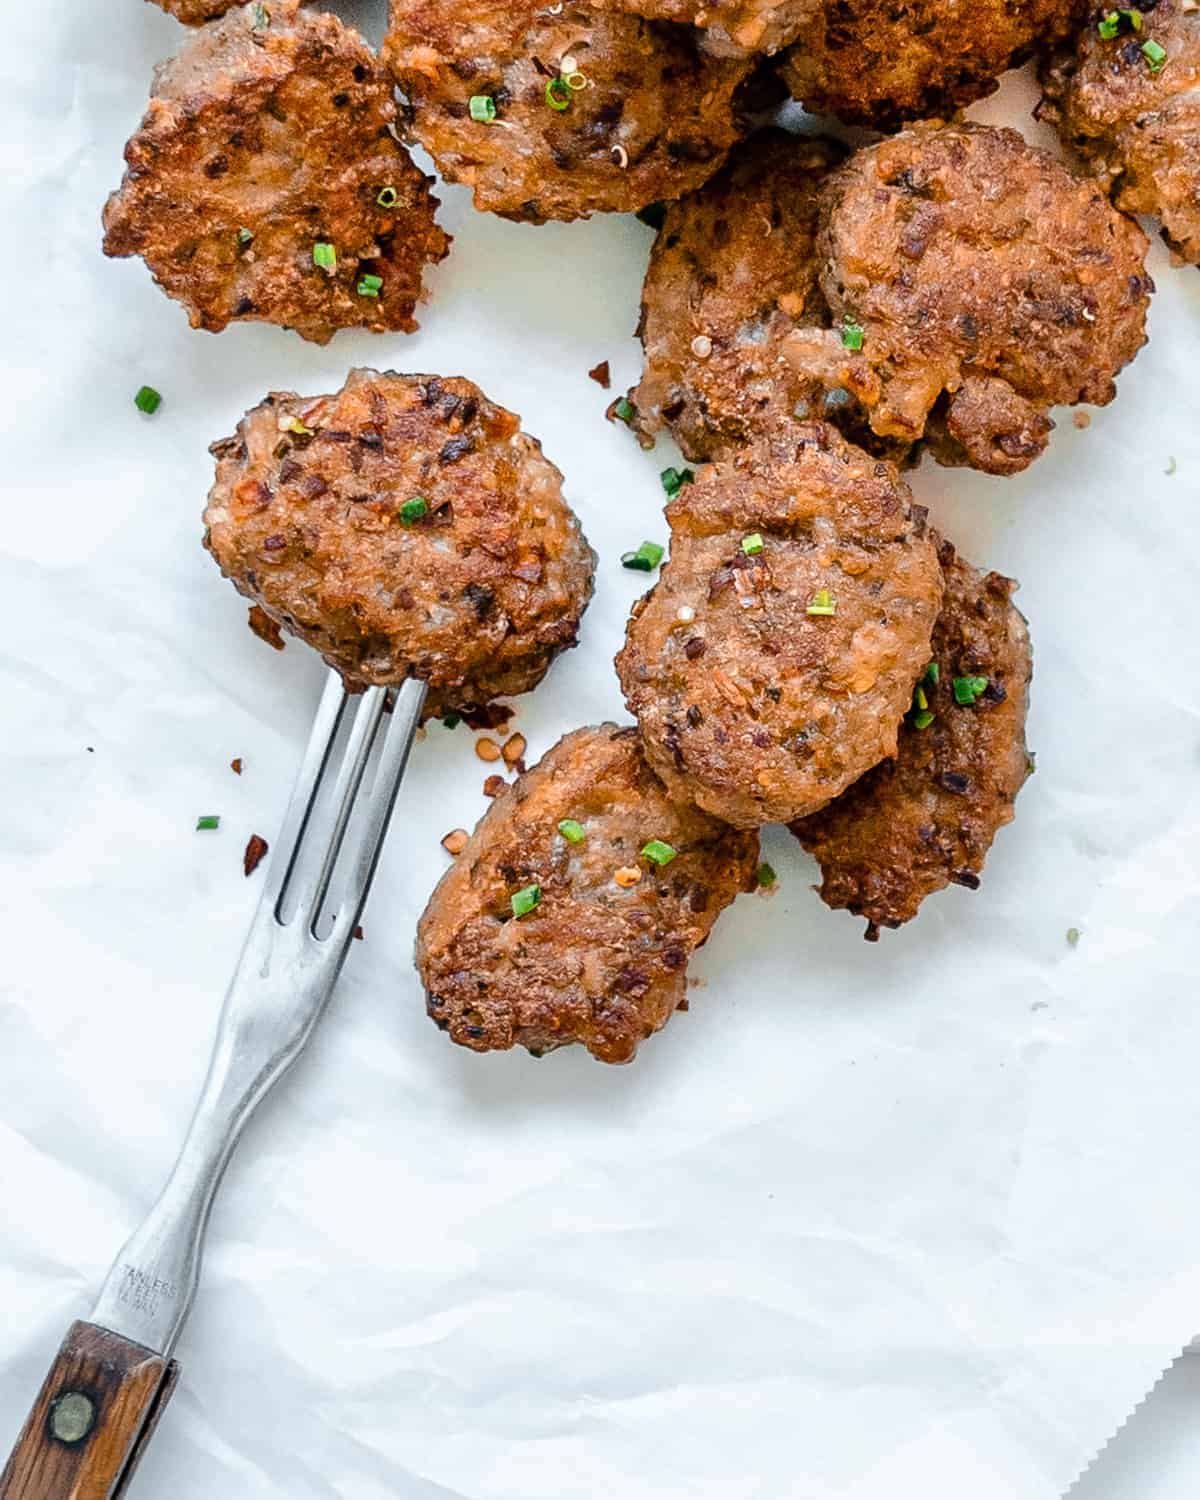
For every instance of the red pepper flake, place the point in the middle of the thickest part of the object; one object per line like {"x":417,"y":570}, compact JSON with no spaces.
{"x":265,"y":628}
{"x":493,"y":786}
{"x":236,"y":766}
{"x":602,"y":375}
{"x":487,"y":716}
{"x":255,"y":851}
{"x":358,"y":933}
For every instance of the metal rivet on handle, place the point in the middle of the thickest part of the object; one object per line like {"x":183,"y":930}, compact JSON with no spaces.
{"x":72,"y":1417}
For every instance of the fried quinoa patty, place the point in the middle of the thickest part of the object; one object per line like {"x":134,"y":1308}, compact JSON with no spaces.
{"x":264,"y":183}
{"x":732,"y":273}
{"x":731,"y":27}
{"x":593,"y":112}
{"x":989,"y":284}
{"x":602,"y":958}
{"x":773,"y":661}
{"x":926,"y":818}
{"x":1135,"y":116}
{"x":403,"y":527}
{"x":879,"y":62}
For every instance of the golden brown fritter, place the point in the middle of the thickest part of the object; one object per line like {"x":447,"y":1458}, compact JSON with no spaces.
{"x":732,"y":273}
{"x":266,"y":137}
{"x":602,"y":958}
{"x":926,"y":818}
{"x":878,"y":62}
{"x":732,"y":28}
{"x":195,"y":12}
{"x":1135,"y":115}
{"x":594,"y":112}
{"x":403,"y":527}
{"x":773,"y":661}
{"x":989,"y":284}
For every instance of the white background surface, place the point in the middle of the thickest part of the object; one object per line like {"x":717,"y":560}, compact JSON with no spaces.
{"x":866,"y":1222}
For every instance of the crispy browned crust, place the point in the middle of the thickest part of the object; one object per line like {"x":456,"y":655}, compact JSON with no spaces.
{"x":597,"y":962}
{"x":991,"y":284}
{"x":879,"y":62}
{"x":476,"y":597}
{"x":196,"y":12}
{"x":754,"y":708}
{"x":926,"y":819}
{"x":733,"y":28}
{"x":259,"y":142}
{"x":655,"y":119}
{"x":1138,"y":130}
{"x":732,"y":273}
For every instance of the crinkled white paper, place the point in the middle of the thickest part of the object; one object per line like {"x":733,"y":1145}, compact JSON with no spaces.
{"x":868,"y":1222}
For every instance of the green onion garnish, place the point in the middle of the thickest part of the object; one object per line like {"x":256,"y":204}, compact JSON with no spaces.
{"x":387,"y":197}
{"x":558,"y":94}
{"x":483,"y":108}
{"x":933,"y":673}
{"x":572,"y":831}
{"x":207,"y":824}
{"x":658,"y":852}
{"x":1112,"y":24}
{"x":673,"y":480}
{"x":260,"y":18}
{"x":147,"y":400}
{"x":752,"y":544}
{"x":624,"y":410}
{"x":923,"y":720}
{"x":919,"y":698}
{"x":524,"y":901}
{"x":822,"y":603}
{"x":1073,"y":935}
{"x":245,"y":236}
{"x":765,"y":875}
{"x":325,"y":256}
{"x":412,"y":510}
{"x":452,"y":721}
{"x":1155,"y":55}
{"x":645,"y":559}
{"x":369,"y":286}
{"x":852,"y":337}
{"x":967,"y":689}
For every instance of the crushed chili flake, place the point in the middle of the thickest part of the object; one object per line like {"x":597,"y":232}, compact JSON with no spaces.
{"x":487,"y":716}
{"x":255,"y":851}
{"x":493,"y":786}
{"x":264,"y":627}
{"x":358,"y":933}
{"x":236,"y":766}
{"x":602,"y":375}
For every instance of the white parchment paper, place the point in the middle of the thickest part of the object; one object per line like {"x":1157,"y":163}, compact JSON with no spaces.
{"x":869,"y":1221}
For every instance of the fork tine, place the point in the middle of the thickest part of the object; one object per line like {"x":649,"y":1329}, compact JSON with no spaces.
{"x":304,"y":794}
{"x":362,"y":851}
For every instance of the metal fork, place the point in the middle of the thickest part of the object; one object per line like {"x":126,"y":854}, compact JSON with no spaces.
{"x":102,"y":1399}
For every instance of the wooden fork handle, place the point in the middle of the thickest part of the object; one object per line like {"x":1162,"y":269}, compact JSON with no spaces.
{"x":93,"y":1417}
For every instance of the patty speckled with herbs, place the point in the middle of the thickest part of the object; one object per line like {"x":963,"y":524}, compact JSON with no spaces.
{"x":403,"y":527}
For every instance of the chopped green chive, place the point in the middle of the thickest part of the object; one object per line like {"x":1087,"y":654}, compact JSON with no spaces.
{"x":325,"y":256}
{"x":147,"y":400}
{"x":412,"y":510}
{"x":933,"y":673}
{"x":369,"y":286}
{"x":387,"y":197}
{"x":658,"y":852}
{"x":1171,"y":466}
{"x":260,"y":18}
{"x":1155,"y":55}
{"x":298,"y":427}
{"x":624,"y":410}
{"x":673,"y":480}
{"x":852,"y":337}
{"x":654,"y":215}
{"x":245,"y":236}
{"x":572,"y":831}
{"x":207,"y":824}
{"x":525,"y":901}
{"x":765,"y":875}
{"x":1073,"y":936}
{"x":923,"y":720}
{"x":645,"y":559}
{"x":452,"y":721}
{"x":968,"y":689}
{"x":558,"y":94}
{"x":752,"y":545}
{"x":919,"y":699}
{"x":822,"y":603}
{"x":1116,"y":21}
{"x":483,"y":108}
